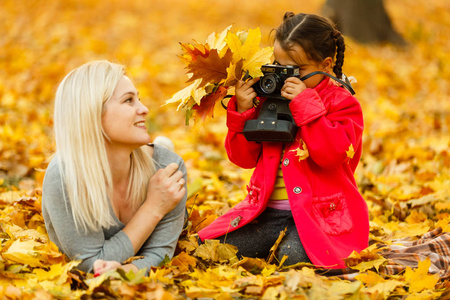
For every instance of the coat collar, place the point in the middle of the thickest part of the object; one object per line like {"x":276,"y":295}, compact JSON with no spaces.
{"x":325,"y":83}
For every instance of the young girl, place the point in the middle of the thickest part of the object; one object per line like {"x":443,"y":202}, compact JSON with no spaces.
{"x":306,"y":186}
{"x":108,"y":195}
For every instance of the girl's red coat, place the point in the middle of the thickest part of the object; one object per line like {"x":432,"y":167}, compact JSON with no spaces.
{"x":330,"y":214}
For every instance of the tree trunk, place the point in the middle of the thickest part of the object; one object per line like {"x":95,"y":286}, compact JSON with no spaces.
{"x":366,"y":21}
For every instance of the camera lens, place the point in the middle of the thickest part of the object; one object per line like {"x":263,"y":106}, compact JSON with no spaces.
{"x":268,"y":83}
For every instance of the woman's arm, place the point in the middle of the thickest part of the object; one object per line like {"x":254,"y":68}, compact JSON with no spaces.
{"x":164,"y":237}
{"x":116,"y":243}
{"x":87,"y":246}
{"x":166,"y":189}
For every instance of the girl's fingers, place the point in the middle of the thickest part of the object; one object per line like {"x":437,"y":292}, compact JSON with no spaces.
{"x":251,"y":82}
{"x":239,"y":84}
{"x":293,"y":80}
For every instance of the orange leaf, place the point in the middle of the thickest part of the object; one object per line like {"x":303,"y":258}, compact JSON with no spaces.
{"x":211,"y":69}
{"x":184,"y":261}
{"x":192,"y":52}
{"x":199,"y":222}
{"x":206,"y":107}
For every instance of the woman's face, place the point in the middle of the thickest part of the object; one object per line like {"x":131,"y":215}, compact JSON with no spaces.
{"x":123,"y":117}
{"x":298,"y":57}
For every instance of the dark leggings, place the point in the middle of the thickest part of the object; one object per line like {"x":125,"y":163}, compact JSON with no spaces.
{"x":256,"y":239}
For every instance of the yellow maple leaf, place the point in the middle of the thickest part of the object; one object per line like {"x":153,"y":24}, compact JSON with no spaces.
{"x":370,"y":278}
{"x":217,"y":40}
{"x":385,"y":288}
{"x":253,"y":57}
{"x":234,"y":73}
{"x":26,"y":252}
{"x":156,"y":275}
{"x":268,"y":270}
{"x":350,"y":152}
{"x":419,"y":279}
{"x":366,"y":265}
{"x":190,"y":92}
{"x":302,"y":152}
{"x":57,"y":272}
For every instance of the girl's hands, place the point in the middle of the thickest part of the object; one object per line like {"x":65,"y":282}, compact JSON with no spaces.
{"x":165,"y":190}
{"x":245,"y":94}
{"x":292,"y":87}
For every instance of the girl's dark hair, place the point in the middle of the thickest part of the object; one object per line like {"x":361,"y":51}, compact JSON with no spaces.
{"x":317,"y":35}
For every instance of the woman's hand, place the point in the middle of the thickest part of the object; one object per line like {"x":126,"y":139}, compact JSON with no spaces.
{"x":245,"y":94}
{"x":292,"y":87}
{"x":165,"y":190}
{"x":103,"y":266}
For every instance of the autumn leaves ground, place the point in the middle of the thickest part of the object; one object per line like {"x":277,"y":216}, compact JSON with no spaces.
{"x":404,"y":173}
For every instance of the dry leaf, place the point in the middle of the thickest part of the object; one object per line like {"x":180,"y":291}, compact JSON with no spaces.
{"x":211,"y":69}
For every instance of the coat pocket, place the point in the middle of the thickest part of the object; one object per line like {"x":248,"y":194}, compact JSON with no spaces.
{"x":332,"y":214}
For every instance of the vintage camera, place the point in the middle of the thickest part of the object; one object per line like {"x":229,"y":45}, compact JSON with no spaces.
{"x":275,"y":122}
{"x":270,"y":84}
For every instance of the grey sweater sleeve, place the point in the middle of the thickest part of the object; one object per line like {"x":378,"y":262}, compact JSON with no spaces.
{"x":111,"y":243}
{"x":164,"y":238}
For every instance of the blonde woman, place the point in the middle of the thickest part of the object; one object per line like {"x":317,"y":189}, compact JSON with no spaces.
{"x":108,"y":194}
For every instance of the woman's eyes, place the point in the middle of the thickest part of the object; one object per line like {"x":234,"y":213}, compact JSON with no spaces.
{"x":131,"y":100}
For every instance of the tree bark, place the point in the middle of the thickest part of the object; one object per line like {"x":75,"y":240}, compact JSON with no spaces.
{"x":366,"y":21}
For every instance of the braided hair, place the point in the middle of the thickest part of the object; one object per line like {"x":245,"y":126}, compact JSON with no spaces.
{"x":317,"y":36}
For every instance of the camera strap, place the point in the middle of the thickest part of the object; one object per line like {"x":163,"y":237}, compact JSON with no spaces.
{"x":345,"y":83}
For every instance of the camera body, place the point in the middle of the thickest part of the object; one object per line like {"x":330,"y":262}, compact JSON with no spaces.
{"x":270,"y":84}
{"x":275,"y":122}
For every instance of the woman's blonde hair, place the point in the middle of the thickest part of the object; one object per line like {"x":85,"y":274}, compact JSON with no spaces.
{"x":80,"y":145}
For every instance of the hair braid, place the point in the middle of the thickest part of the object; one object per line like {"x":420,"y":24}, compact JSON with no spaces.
{"x":340,"y":48}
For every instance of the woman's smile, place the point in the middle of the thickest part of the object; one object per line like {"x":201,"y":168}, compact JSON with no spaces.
{"x":141,"y":124}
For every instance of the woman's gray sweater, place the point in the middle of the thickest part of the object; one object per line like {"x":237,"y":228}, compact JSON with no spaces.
{"x":110,"y":243}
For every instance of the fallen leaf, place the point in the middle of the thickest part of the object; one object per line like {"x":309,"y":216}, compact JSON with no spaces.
{"x":419,"y":279}
{"x":184,"y":262}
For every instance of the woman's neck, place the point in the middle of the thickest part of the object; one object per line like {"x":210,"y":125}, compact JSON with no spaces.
{"x":120,"y":164}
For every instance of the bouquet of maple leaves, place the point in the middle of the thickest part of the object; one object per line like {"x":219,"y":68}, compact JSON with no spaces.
{"x":216,"y":66}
